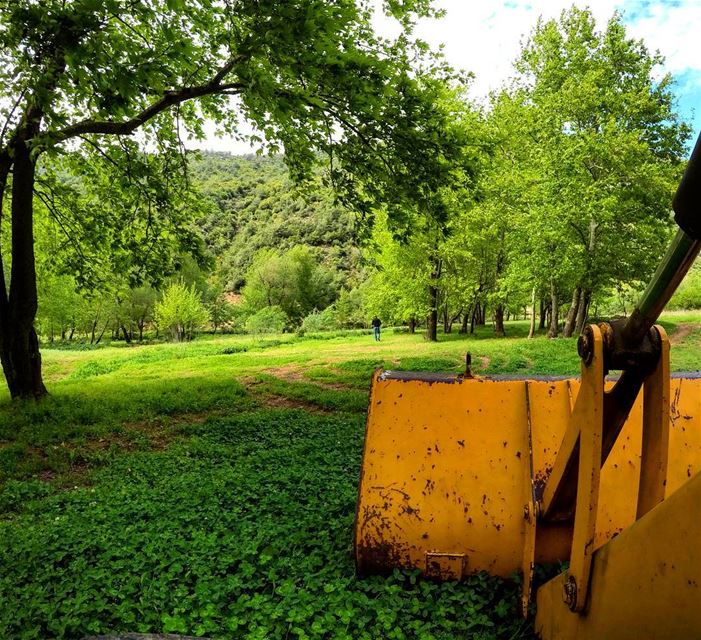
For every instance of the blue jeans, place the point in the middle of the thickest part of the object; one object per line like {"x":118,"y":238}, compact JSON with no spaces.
{"x":376,"y":333}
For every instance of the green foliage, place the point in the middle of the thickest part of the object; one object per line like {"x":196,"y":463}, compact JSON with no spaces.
{"x":267,"y":320}
{"x":180,"y":312}
{"x":292,"y":281}
{"x":584,"y":153}
{"x":155,"y":491}
{"x":350,"y":307}
{"x":79,"y":78}
{"x":320,"y":320}
{"x":688,"y":296}
{"x":591,"y":151}
{"x":257,"y":206}
{"x":244,"y":529}
{"x":117,"y":213}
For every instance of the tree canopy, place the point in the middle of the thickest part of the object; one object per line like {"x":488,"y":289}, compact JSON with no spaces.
{"x":78,"y":78}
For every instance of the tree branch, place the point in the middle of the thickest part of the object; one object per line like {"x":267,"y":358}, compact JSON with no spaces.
{"x":169,"y":99}
{"x":580,"y":233}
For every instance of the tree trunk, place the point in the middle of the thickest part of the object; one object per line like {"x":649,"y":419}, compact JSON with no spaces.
{"x":446,"y":319}
{"x":572,"y":313}
{"x":102,"y":333}
{"x":465,"y":321}
{"x":531,"y":329}
{"x":19,"y":345}
{"x":554,"y":311}
{"x":583,"y":311}
{"x":432,"y":319}
{"x":127,"y":335}
{"x":452,"y":320}
{"x":412,"y":324}
{"x":499,"y":321}
{"x":543,"y":313}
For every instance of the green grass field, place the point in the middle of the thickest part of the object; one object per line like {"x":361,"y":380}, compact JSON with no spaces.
{"x":209,"y":489}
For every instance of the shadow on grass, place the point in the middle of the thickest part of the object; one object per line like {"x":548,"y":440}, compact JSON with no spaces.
{"x":345,"y":400}
{"x":86,"y":424}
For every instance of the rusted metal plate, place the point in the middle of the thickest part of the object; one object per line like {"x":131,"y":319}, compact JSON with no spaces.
{"x":645,"y":583}
{"x":445,"y":566}
{"x":443,"y":473}
{"x":446,"y":468}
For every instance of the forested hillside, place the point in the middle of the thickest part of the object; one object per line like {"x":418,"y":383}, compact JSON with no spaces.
{"x":257,"y":206}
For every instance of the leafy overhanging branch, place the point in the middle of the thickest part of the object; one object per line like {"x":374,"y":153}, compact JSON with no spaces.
{"x":169,"y":99}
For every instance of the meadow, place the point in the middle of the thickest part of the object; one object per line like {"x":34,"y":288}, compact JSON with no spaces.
{"x":208,"y":488}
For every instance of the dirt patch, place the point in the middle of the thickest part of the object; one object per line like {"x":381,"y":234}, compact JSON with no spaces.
{"x":294,"y":373}
{"x":683,"y":330}
{"x":68,"y":464}
{"x":286,"y":372}
{"x":283,"y":402}
{"x":162,"y":431}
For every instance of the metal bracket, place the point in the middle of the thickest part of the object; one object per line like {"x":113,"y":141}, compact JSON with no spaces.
{"x":588,"y":420}
{"x":584,"y":449}
{"x":655,"y":447}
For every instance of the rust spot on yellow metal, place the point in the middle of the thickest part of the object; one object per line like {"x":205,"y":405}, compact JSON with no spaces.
{"x":394,"y":531}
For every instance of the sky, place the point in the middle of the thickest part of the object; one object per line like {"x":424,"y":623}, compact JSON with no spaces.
{"x":484,"y":37}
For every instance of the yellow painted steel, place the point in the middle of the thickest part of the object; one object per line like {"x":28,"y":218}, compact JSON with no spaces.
{"x":443,"y":473}
{"x":645,"y":583}
{"x":448,"y":462}
{"x":588,"y":418}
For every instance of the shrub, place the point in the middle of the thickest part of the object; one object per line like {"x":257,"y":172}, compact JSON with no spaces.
{"x":181,"y":312}
{"x":267,"y":320}
{"x":688,"y":295}
{"x":320,"y":320}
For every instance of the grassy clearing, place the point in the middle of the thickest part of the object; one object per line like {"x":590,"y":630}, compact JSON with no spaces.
{"x":209,"y":489}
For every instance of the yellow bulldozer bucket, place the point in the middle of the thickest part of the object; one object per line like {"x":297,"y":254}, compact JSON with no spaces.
{"x":462,"y":474}
{"x":450,"y":465}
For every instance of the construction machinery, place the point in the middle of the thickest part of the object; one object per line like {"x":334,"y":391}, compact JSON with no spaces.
{"x":499,"y":473}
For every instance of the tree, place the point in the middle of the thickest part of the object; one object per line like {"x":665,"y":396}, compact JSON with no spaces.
{"x":398,"y":289}
{"x":181,"y":312}
{"x":599,"y":131}
{"x":292,"y":281}
{"x":439,"y":161}
{"x":267,"y":320}
{"x":257,"y":206}
{"x":78,"y":78}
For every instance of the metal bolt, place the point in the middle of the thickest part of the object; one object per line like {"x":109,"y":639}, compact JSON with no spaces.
{"x":569,"y":593}
{"x":585,"y":346}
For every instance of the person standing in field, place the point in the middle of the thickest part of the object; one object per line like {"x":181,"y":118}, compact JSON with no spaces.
{"x":376,"y":324}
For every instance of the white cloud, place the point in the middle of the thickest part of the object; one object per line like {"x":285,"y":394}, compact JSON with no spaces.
{"x":672,"y":29}
{"x":485,"y":37}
